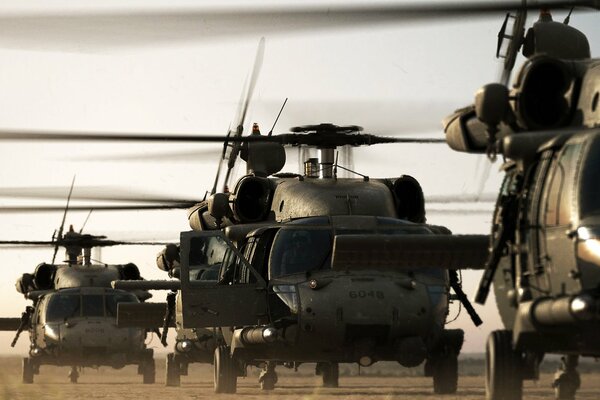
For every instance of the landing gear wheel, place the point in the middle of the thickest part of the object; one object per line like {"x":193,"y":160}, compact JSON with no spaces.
{"x":503,"y":379}
{"x":225,"y":379}
{"x":73,"y":375}
{"x":28,"y":370}
{"x":173,"y":370}
{"x":268,"y":377}
{"x":330,"y":373}
{"x":149,"y":371}
{"x":445,"y":374}
{"x":566,"y":379}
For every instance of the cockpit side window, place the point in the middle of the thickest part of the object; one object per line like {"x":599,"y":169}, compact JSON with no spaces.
{"x":111,"y":301}
{"x":590,"y":180}
{"x":559,"y":197}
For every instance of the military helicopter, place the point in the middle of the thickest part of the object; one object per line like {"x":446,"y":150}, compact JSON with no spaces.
{"x":544,"y":258}
{"x":289,"y":284}
{"x":72,"y":321}
{"x":215,"y":213}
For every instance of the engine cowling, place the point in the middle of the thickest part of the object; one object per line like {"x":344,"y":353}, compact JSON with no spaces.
{"x":129,"y":272}
{"x":43,"y":276}
{"x":410,"y":202}
{"x":252,"y":199}
{"x":544,"y":94}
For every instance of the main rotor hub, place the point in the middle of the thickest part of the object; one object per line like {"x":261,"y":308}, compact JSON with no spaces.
{"x":326,"y":129}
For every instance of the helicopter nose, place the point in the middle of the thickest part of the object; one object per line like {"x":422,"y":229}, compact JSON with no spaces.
{"x":363,"y":312}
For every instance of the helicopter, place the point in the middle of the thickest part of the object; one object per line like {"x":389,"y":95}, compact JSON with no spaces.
{"x":72,"y":321}
{"x":543,"y":257}
{"x":289,"y":287}
{"x":208,"y":215}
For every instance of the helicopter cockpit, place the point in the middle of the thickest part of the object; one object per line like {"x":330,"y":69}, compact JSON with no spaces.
{"x":74,"y":303}
{"x":307,"y":245}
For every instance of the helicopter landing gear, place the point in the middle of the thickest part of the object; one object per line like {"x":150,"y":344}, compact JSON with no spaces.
{"x":566,"y":379}
{"x":225,"y":379}
{"x":147,"y":369}
{"x":28,"y":370}
{"x":330,"y":373}
{"x":73,"y":375}
{"x":173,"y":370}
{"x":268,"y":377}
{"x":445,"y":373}
{"x":503,"y":378}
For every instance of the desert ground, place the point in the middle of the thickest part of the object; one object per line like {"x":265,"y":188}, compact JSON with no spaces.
{"x":106,"y":383}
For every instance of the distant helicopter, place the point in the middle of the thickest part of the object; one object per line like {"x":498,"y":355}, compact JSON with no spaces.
{"x":544,"y":254}
{"x":72,"y":321}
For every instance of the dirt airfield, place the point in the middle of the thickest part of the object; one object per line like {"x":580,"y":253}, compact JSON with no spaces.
{"x":107,"y":383}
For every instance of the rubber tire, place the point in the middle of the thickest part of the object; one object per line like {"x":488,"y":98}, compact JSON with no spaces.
{"x":268,"y":383}
{"x":331,"y":375}
{"x":567,"y":389}
{"x":561,"y":393}
{"x":445,"y":374}
{"x":225,"y":377}
{"x":27,"y":369}
{"x":73,"y":377}
{"x":172,"y":371}
{"x":149,"y":372}
{"x":503,"y":379}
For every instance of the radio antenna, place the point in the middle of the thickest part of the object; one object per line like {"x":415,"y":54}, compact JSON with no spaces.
{"x":278,"y":115}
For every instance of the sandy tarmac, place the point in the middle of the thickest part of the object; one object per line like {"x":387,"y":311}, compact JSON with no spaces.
{"x":107,"y":383}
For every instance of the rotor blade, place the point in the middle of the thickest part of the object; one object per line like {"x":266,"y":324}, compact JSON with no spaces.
{"x":29,"y":209}
{"x":458,"y":211}
{"x":92,"y":242}
{"x":515,"y":38}
{"x":171,"y":156}
{"x":99,"y":193}
{"x":462,"y":198}
{"x":62,"y":224}
{"x":235,"y":148}
{"x":106,"y":137}
{"x":27,"y":242}
{"x":258,"y":61}
{"x":288,"y":138}
{"x":77,"y":29}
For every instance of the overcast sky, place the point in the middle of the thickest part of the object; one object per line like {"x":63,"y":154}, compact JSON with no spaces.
{"x":396,"y":79}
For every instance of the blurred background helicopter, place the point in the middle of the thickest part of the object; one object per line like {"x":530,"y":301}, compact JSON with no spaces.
{"x":398,"y":73}
{"x":544,"y":254}
{"x":73,"y":319}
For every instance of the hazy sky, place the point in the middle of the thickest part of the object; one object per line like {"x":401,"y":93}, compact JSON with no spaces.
{"x":390,"y":79}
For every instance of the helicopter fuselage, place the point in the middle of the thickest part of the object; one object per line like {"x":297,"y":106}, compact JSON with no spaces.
{"x":547,"y":284}
{"x":280,"y":300}
{"x":78,"y":327}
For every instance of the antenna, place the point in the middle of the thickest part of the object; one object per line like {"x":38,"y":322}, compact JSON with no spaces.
{"x":62,"y":224}
{"x":86,"y":220}
{"x":568,"y":19}
{"x":337,"y":155}
{"x":278,"y":115}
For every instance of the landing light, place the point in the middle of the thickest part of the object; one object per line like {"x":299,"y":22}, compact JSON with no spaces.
{"x":184,"y":346}
{"x":35,"y":352}
{"x":365,"y":361}
{"x":269,"y":334}
{"x":583,"y":307}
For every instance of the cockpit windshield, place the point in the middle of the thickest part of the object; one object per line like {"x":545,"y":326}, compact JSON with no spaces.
{"x":62,"y":306}
{"x":299,"y":248}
